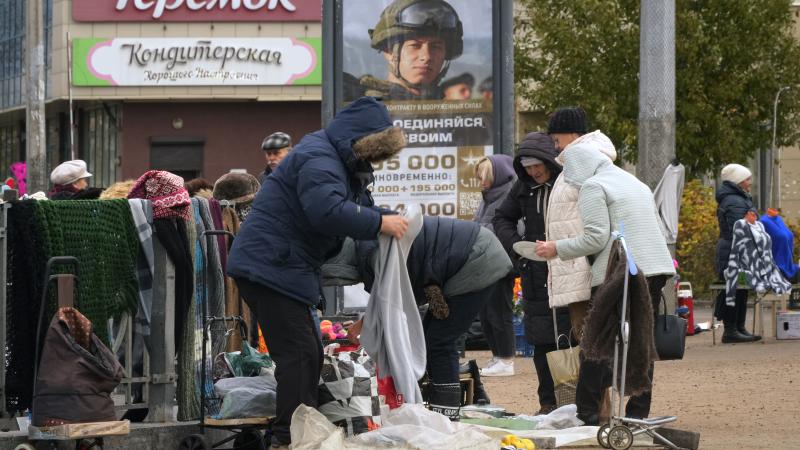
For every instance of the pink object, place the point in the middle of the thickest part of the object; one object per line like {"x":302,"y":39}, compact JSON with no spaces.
{"x":19,"y":170}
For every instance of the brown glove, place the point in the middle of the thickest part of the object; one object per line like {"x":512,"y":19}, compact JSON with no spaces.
{"x":437,"y":305}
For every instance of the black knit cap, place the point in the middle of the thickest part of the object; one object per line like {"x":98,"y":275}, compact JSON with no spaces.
{"x":568,"y":120}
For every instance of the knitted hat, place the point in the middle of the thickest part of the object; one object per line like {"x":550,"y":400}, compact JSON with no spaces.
{"x":567,"y":120}
{"x":166,"y":191}
{"x":276,"y":141}
{"x":69,"y":172}
{"x":236,"y":187}
{"x":735,"y":173}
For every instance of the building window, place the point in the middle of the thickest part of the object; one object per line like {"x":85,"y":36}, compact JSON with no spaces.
{"x":12,"y":50}
{"x":11,"y":141}
{"x":99,"y":142}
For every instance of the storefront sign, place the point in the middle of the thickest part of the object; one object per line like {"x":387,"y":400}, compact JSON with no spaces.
{"x":197,"y":10}
{"x":434,"y":84}
{"x":196,"y":62}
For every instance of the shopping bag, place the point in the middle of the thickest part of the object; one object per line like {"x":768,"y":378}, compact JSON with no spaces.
{"x":564,"y":368}
{"x":348,"y":392}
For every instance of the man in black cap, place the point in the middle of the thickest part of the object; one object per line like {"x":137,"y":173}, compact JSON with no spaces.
{"x":566,"y":125}
{"x":276,"y":146}
{"x":458,"y":88}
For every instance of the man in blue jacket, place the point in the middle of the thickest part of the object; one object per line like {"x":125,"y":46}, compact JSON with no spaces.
{"x":314,"y":199}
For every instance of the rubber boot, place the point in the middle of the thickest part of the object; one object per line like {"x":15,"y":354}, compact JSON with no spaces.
{"x":479,"y":391}
{"x":445,"y":399}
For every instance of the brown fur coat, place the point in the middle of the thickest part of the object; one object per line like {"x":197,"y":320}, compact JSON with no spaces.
{"x":602,"y":322}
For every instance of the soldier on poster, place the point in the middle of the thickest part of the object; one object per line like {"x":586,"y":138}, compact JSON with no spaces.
{"x":418,"y":39}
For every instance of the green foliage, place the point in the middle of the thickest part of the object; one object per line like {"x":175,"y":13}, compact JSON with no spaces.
{"x":731,"y":59}
{"x":698,"y":231}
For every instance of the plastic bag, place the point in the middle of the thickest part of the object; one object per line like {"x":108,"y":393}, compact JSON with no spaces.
{"x":247,"y":396}
{"x":348,"y":392}
{"x":248,"y":362}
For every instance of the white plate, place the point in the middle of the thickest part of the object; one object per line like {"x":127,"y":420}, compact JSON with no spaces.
{"x":527,"y":249}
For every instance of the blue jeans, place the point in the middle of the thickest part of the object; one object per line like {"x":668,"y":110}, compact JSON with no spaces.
{"x":441,"y":334}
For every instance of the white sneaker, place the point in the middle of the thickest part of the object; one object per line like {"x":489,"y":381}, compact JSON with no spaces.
{"x":491,"y":362}
{"x":500,"y":368}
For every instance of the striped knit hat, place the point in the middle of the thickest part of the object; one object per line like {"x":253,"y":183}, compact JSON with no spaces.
{"x":166,"y":191}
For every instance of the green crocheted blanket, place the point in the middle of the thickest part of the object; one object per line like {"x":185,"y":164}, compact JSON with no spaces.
{"x":102,"y":236}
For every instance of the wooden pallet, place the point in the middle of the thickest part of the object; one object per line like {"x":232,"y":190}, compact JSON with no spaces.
{"x":72,"y":431}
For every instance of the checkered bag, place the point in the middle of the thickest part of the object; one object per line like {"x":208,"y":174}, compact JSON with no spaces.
{"x":348,"y":392}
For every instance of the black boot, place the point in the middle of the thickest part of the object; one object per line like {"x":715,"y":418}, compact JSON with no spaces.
{"x":732,"y":336}
{"x":479,"y":392}
{"x":741,"y":318}
{"x":445,"y":399}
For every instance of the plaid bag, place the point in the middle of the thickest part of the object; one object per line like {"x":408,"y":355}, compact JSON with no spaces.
{"x":348,"y":392}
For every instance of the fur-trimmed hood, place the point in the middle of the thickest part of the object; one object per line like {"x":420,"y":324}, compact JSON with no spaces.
{"x":364,"y":120}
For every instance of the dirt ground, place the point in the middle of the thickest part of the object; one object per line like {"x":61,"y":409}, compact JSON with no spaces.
{"x":737,"y":396}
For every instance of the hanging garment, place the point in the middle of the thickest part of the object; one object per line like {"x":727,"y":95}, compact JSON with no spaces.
{"x":751,"y":253}
{"x":392,"y":333}
{"x":782,"y":244}
{"x":142,"y":213}
{"x":667,"y":196}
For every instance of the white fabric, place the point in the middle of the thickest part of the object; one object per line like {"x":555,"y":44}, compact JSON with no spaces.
{"x":392,"y":332}
{"x":668,"y":196}
{"x":735,"y":173}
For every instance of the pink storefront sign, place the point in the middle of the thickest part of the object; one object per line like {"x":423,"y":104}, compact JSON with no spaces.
{"x":197,"y":10}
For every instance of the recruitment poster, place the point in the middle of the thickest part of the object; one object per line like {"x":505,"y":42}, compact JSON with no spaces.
{"x":431,"y":63}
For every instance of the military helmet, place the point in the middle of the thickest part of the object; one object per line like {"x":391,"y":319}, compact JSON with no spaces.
{"x":404,"y":19}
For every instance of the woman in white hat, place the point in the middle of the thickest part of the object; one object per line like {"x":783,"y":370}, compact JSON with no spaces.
{"x":733,"y":203}
{"x":70,"y":182}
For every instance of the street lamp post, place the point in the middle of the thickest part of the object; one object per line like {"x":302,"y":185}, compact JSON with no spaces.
{"x":773,"y":149}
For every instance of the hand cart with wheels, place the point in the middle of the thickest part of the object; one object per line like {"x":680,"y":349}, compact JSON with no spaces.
{"x":250,"y":433}
{"x":619,"y":433}
{"x":86,"y":435}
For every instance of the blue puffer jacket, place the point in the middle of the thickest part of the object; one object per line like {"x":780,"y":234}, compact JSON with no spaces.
{"x":305,"y":208}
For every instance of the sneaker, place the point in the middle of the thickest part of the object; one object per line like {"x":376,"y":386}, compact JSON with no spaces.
{"x":500,"y":368}
{"x":491,"y":362}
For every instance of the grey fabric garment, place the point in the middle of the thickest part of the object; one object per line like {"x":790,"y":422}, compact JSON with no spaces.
{"x":751,"y":253}
{"x":668,"y":196}
{"x":392,"y":332}
{"x":215,"y":282}
{"x":142,"y":212}
{"x":342,"y":269}
{"x":487,"y":262}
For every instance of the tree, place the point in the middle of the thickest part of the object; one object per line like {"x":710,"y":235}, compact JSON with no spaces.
{"x":731,"y":59}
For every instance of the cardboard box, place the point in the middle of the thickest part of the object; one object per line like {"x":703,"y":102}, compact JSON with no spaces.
{"x":788,"y":326}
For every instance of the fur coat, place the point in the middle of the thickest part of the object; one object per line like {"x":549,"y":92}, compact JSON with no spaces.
{"x":602,"y":322}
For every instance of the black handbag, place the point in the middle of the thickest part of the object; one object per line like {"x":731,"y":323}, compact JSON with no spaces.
{"x":670,"y":335}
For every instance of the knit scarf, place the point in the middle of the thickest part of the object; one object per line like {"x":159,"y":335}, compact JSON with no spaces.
{"x":102,"y":236}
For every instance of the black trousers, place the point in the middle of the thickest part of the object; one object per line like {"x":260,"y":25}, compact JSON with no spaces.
{"x":294,"y":344}
{"x":546,"y":390}
{"x":595,"y":376}
{"x":441,"y":334}
{"x":497,"y":319}
{"x":732,"y":316}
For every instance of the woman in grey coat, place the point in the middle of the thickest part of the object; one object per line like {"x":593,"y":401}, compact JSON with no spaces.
{"x":497,"y":176}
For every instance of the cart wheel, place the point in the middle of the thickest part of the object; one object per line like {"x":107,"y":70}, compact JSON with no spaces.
{"x":194,"y":442}
{"x":602,"y":436}
{"x":25,"y":446}
{"x":249,"y":440}
{"x":620,"y":438}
